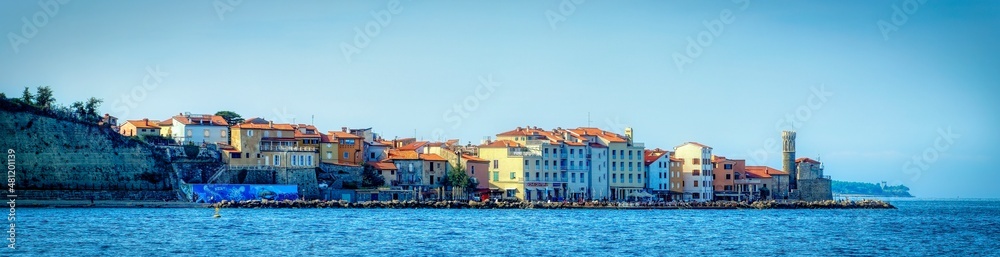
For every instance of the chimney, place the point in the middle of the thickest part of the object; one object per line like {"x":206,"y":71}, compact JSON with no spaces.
{"x":344,"y":129}
{"x":145,"y":120}
{"x":270,"y":124}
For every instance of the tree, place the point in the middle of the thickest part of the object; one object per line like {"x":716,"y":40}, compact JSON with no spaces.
{"x":26,"y":96}
{"x":3,"y":96}
{"x":371,"y":177}
{"x":92,"y":106}
{"x":44,"y":97}
{"x":231,"y":117}
{"x":79,"y":108}
{"x":457,"y":178}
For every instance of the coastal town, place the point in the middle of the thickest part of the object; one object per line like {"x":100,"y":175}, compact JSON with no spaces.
{"x":524,"y":163}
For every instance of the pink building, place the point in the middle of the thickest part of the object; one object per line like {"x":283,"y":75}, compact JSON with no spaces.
{"x":479,"y":169}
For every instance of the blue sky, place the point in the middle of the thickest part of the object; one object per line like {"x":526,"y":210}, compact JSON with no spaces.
{"x":887,"y":96}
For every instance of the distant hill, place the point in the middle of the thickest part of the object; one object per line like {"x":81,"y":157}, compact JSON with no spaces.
{"x":873,"y":189}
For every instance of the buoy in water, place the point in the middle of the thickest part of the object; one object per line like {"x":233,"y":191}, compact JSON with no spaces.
{"x":217,"y":215}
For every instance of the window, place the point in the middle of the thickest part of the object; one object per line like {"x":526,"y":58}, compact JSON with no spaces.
{"x":696,"y":173}
{"x":348,"y":141}
{"x":525,"y":163}
{"x":371,"y":156}
{"x":614,"y":178}
{"x":695,"y":183}
{"x":309,"y":160}
{"x":472,"y":169}
{"x":345,"y":155}
{"x":570,"y":151}
{"x":496,"y":164}
{"x":695,"y":161}
{"x":695,"y":195}
{"x":295,"y":161}
{"x":683,"y":184}
{"x":222,"y":133}
{"x":512,"y":176}
{"x":496,"y":176}
{"x":277,"y":160}
{"x":329,"y":155}
{"x":728,"y":176}
{"x":249,"y":133}
{"x":267,"y":133}
{"x":432,"y":167}
{"x":629,"y":178}
{"x":188,"y":133}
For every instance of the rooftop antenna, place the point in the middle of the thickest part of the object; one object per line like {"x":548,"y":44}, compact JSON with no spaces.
{"x":588,"y":119}
{"x":312,"y":119}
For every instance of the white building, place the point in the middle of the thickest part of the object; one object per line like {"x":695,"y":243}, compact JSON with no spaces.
{"x":197,"y":129}
{"x":696,"y":171}
{"x":598,"y":182}
{"x":657,"y":165}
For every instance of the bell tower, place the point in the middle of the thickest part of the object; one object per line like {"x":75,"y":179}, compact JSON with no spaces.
{"x":788,"y":162}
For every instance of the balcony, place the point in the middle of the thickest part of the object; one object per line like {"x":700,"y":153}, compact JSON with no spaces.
{"x":522,"y":152}
{"x":284,"y":148}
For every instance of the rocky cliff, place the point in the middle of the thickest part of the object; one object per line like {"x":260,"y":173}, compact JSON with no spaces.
{"x":59,"y":155}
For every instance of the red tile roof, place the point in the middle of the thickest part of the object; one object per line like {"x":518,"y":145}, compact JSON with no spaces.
{"x":264,"y":126}
{"x":763,"y":171}
{"x":413,"y":146}
{"x":196,"y":119}
{"x":596,"y":145}
{"x":324,"y":138}
{"x":806,"y":160}
{"x":383,"y":165}
{"x":341,"y":134}
{"x":696,"y":144}
{"x":653,"y":155}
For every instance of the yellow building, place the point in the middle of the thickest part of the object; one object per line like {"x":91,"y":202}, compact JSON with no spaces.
{"x":256,"y":143}
{"x":506,"y":167}
{"x":143,"y":127}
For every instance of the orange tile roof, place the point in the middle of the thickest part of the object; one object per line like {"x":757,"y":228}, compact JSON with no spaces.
{"x":324,"y":138}
{"x":299,"y":134}
{"x":403,"y":155}
{"x":432,"y":157}
{"x":473,"y":158}
{"x":806,"y":160}
{"x":502,"y":144}
{"x":596,"y":145}
{"x":606,"y":135}
{"x":413,"y":146}
{"x":383,"y":165}
{"x":144,"y":123}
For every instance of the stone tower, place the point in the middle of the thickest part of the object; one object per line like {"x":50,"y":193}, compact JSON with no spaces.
{"x":788,"y":162}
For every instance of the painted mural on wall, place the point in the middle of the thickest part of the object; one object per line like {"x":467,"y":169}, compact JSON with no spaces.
{"x":238,"y":192}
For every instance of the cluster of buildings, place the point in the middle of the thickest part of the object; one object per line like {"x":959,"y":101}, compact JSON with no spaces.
{"x":526,"y":163}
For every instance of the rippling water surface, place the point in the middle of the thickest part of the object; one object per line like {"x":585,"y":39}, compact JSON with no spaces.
{"x":916,"y":228}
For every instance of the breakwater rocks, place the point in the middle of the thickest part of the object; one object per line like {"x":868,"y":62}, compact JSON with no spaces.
{"x":863,"y":204}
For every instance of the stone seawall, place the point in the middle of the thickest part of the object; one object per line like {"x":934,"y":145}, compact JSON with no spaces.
{"x":96,"y":195}
{"x":862,"y":204}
